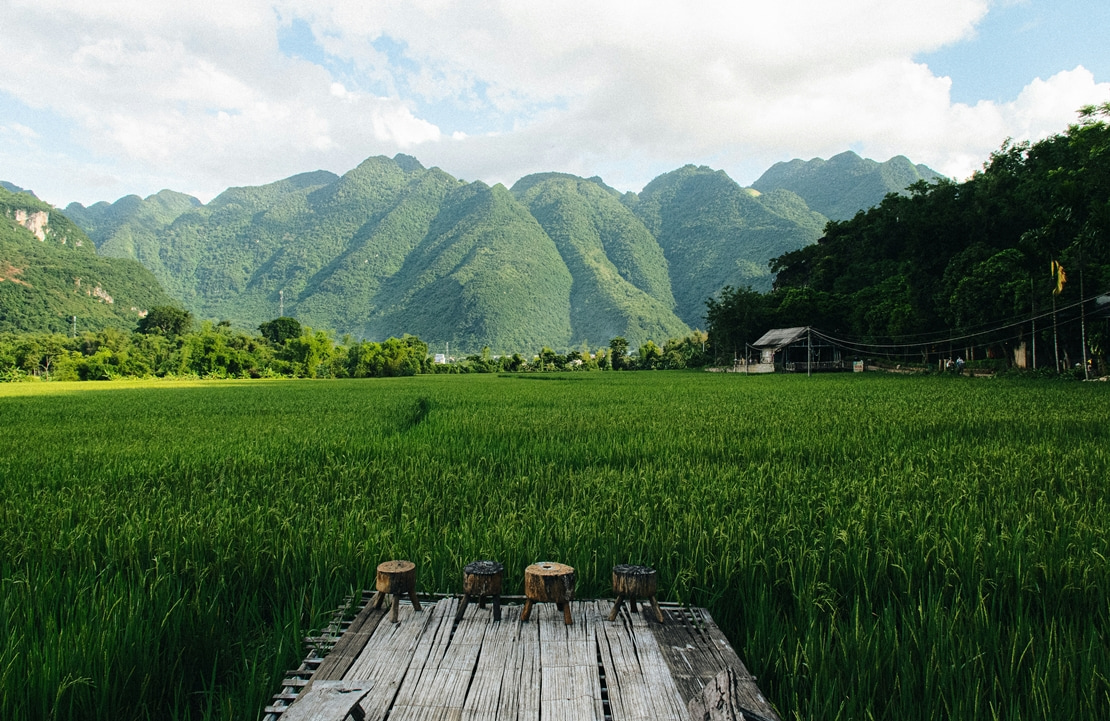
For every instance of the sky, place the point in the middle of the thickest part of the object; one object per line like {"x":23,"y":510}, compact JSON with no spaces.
{"x":114,"y":97}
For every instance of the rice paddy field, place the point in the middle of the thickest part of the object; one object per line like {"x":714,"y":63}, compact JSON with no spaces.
{"x":873,"y":546}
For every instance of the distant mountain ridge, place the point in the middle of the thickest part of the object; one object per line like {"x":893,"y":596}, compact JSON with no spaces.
{"x":558,"y":260}
{"x":50,"y":272}
{"x":845,"y":184}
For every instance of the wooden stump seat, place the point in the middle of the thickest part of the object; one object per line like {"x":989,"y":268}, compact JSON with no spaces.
{"x":548,"y":582}
{"x":481,"y":579}
{"x":634,"y":582}
{"x":395,"y":578}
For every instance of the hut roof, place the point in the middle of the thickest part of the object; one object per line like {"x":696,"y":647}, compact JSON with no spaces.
{"x":780,"y":337}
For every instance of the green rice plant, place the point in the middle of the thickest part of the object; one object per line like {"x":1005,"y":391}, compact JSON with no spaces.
{"x":873,"y":546}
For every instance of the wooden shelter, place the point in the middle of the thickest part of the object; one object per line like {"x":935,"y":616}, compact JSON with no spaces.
{"x":799,"y":350}
{"x":435,"y":665}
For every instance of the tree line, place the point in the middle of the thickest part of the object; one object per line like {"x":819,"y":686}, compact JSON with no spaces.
{"x":167,"y":343}
{"x":1014,"y":258}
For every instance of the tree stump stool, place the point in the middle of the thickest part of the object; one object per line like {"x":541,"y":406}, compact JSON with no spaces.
{"x":393,"y":579}
{"x":634,"y":582}
{"x":481,"y":579}
{"x":551,"y":583}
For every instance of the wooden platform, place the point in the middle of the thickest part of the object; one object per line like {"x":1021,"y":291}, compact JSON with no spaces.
{"x":428,"y":667}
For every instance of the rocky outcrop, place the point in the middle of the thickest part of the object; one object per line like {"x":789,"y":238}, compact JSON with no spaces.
{"x":34,"y":221}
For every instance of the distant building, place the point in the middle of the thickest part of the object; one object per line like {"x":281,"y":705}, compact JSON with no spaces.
{"x":798,"y":350}
{"x":441,"y":358}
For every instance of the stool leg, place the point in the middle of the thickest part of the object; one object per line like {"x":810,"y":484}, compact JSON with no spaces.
{"x":658,"y":611}
{"x":527,"y":610}
{"x":497,"y":607}
{"x":635,"y":608}
{"x":481,"y":601}
{"x":567,"y":618}
{"x":462,"y":607}
{"x":414,"y":599}
{"x":393,"y":608}
{"x":378,"y":598}
{"x":616,"y":607}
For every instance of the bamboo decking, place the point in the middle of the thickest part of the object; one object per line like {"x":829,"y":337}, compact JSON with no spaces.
{"x":427,"y":666}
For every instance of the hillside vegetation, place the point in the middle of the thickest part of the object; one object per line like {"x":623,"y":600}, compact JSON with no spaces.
{"x":714,"y":233}
{"x":392,"y":247}
{"x":845,"y":184}
{"x":50,"y":271}
{"x":967,"y":269}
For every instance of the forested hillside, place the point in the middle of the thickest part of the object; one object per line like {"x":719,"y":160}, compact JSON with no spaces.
{"x":392,"y":247}
{"x":715,"y":233}
{"x":968,"y":268}
{"x":50,"y":272}
{"x":845,"y":184}
{"x":621,"y":285}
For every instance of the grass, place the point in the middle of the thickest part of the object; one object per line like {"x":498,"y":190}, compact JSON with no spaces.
{"x":875,"y":547}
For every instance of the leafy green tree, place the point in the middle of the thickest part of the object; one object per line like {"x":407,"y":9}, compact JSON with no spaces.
{"x":279,"y":330}
{"x":618,"y":352}
{"x":736,"y":317}
{"x":166,"y":320}
{"x":49,"y":356}
{"x":650,"y":356}
{"x":308,"y":353}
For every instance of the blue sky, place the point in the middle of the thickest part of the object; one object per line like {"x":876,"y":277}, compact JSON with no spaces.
{"x":101,"y":100}
{"x":1019,"y":41}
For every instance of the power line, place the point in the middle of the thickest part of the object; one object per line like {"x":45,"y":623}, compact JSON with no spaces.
{"x":992,"y":330}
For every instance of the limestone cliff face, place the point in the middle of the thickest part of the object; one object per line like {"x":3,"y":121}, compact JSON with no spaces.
{"x":34,"y":221}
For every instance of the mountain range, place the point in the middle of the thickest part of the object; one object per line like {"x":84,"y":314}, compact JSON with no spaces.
{"x":556,"y":260}
{"x":50,"y":272}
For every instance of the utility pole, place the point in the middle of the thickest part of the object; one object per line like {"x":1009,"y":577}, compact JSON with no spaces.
{"x":809,"y":351}
{"x":1033,"y":311}
{"x":74,"y":326}
{"x":1056,"y":272}
{"x":1083,"y":315}
{"x":281,"y":303}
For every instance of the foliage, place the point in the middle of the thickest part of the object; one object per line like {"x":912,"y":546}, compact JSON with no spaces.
{"x":968,"y":260}
{"x":938,"y":556}
{"x":621,"y":286}
{"x":45,"y":283}
{"x":715,"y":233}
{"x":279,"y":330}
{"x":213,"y":351}
{"x":845,"y":184}
{"x":165,"y":320}
{"x":393,"y":247}
{"x":395,"y":357}
{"x":618,"y":351}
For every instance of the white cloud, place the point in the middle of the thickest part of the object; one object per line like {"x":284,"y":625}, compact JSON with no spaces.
{"x":19,"y":131}
{"x":201,"y":96}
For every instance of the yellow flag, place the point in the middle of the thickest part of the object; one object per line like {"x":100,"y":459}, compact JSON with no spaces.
{"x":1059,"y":276}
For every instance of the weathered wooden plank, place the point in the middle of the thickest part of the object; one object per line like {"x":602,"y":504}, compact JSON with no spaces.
{"x":639,"y":679}
{"x":328,"y":701}
{"x":385,"y":660}
{"x":569,"y":685}
{"x":425,"y":668}
{"x":696,"y":650}
{"x":350,"y":644}
{"x":721,"y":700}
{"x":527,"y":695}
{"x":497,"y":672}
{"x":439,"y":690}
